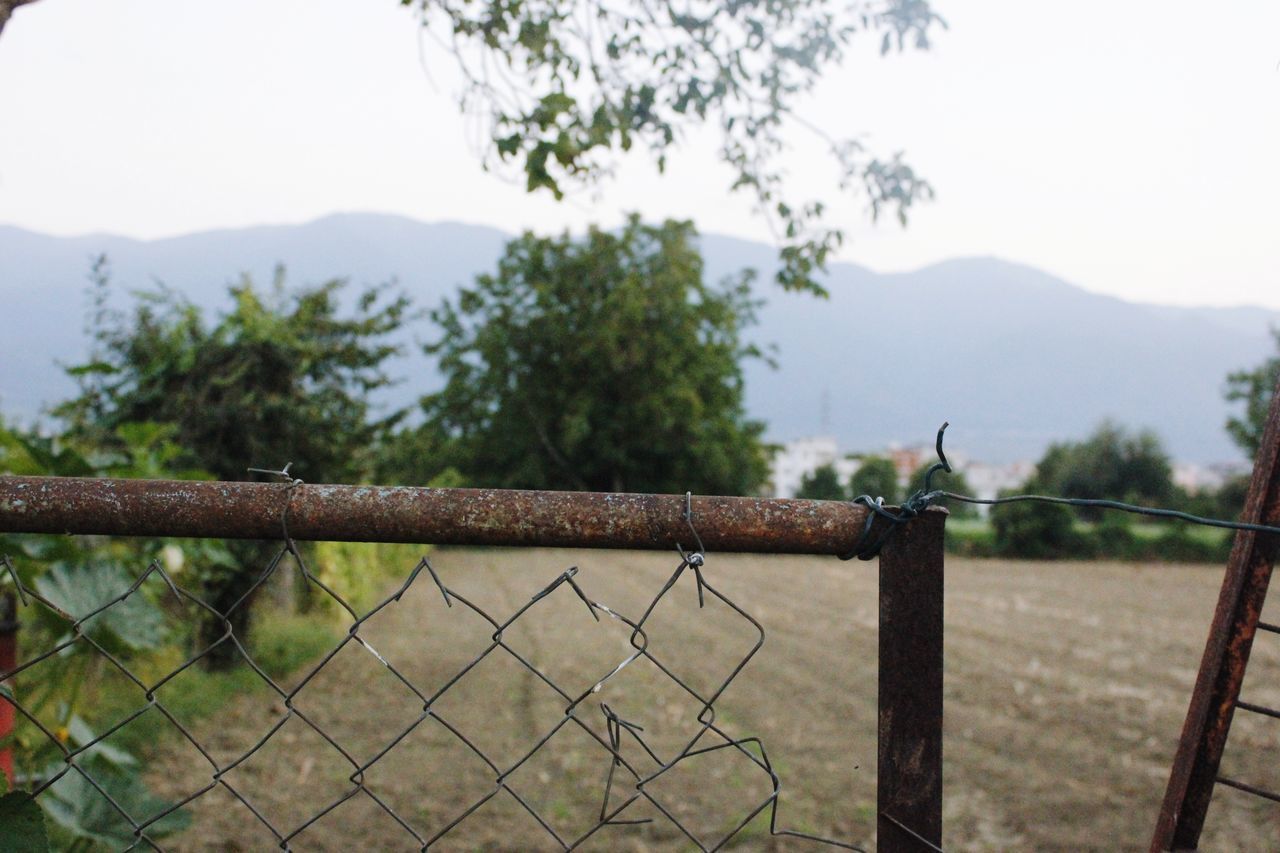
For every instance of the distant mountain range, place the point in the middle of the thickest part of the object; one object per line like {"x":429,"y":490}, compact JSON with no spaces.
{"x":1013,"y":357}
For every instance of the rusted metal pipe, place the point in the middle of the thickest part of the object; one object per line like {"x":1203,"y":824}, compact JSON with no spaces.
{"x":236,"y":510}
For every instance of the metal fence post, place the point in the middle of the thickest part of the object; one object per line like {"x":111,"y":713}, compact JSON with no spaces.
{"x":909,"y":776}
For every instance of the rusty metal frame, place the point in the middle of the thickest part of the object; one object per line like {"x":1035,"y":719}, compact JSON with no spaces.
{"x":909,"y":779}
{"x":1217,"y":690}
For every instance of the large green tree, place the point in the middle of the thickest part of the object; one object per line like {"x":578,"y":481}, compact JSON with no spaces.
{"x":1255,"y":389}
{"x":822,"y":484}
{"x":877,"y":476}
{"x":1113,"y":463}
{"x":567,"y":87}
{"x":605,"y":364}
{"x":279,"y":377}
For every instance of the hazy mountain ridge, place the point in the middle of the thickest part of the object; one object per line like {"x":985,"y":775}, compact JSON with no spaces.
{"x":1012,"y":356}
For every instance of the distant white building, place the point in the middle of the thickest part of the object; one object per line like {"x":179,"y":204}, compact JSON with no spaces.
{"x":795,"y":459}
{"x":987,"y":480}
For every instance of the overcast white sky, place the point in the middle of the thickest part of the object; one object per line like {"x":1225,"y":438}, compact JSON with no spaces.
{"x":1133,"y":148}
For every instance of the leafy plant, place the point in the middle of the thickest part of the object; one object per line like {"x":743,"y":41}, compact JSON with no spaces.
{"x":22,"y":827}
{"x":1254,"y":388}
{"x":281,"y":375}
{"x":822,"y":484}
{"x":567,"y":86}
{"x":603,"y":364}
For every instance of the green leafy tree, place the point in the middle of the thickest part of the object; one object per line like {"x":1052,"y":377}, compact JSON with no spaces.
{"x":281,"y":376}
{"x":1112,"y":464}
{"x":603,"y":364}
{"x":878,"y":477}
{"x":567,"y":87}
{"x":822,"y":484}
{"x":1255,"y":389}
{"x":1035,"y":530}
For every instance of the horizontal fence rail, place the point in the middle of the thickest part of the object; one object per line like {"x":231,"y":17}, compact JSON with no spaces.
{"x":227,"y":510}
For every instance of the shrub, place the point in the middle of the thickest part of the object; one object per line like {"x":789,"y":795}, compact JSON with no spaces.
{"x":1036,"y":530}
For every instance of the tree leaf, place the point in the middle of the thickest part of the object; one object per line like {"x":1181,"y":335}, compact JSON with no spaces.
{"x":81,"y":735}
{"x":76,"y":806}
{"x":134,"y":623}
{"x":22,"y":828}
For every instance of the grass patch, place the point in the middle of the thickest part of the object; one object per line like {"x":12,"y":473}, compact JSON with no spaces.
{"x":1117,"y":537}
{"x":279,"y":643}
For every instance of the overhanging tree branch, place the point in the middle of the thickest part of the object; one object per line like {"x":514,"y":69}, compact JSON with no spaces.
{"x":6,"y":9}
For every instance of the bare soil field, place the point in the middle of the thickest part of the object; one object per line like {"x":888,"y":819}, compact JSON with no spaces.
{"x":1066,"y":685}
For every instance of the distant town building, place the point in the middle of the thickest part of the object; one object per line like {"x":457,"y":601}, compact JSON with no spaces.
{"x":907,"y":460}
{"x":986,"y":481}
{"x":795,"y":459}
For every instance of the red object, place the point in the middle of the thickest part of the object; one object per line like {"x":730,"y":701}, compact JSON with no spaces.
{"x":8,"y":661}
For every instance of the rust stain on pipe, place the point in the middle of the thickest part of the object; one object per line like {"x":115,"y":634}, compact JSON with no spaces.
{"x":237,"y":510}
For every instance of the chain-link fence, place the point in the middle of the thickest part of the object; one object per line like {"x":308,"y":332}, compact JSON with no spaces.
{"x":599,"y":736}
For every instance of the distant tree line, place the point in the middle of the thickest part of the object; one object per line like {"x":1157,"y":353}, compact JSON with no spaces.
{"x":1118,"y":465}
{"x":1113,"y":463}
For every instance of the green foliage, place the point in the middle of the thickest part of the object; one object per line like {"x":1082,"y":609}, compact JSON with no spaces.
{"x":362,"y":572}
{"x":133,"y":624}
{"x":79,"y":810}
{"x":1112,"y":464}
{"x":1114,"y":536}
{"x":79,"y":576}
{"x":1179,"y":543}
{"x":603,"y":364}
{"x":278,"y":377}
{"x":567,"y":85}
{"x":279,"y":646}
{"x":878,"y":477}
{"x":22,"y":828}
{"x":1036,"y":531}
{"x":290,"y":642}
{"x":1229,"y":499}
{"x":281,"y":376}
{"x":1255,"y":389}
{"x":823,"y":484}
{"x":970,"y":538}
